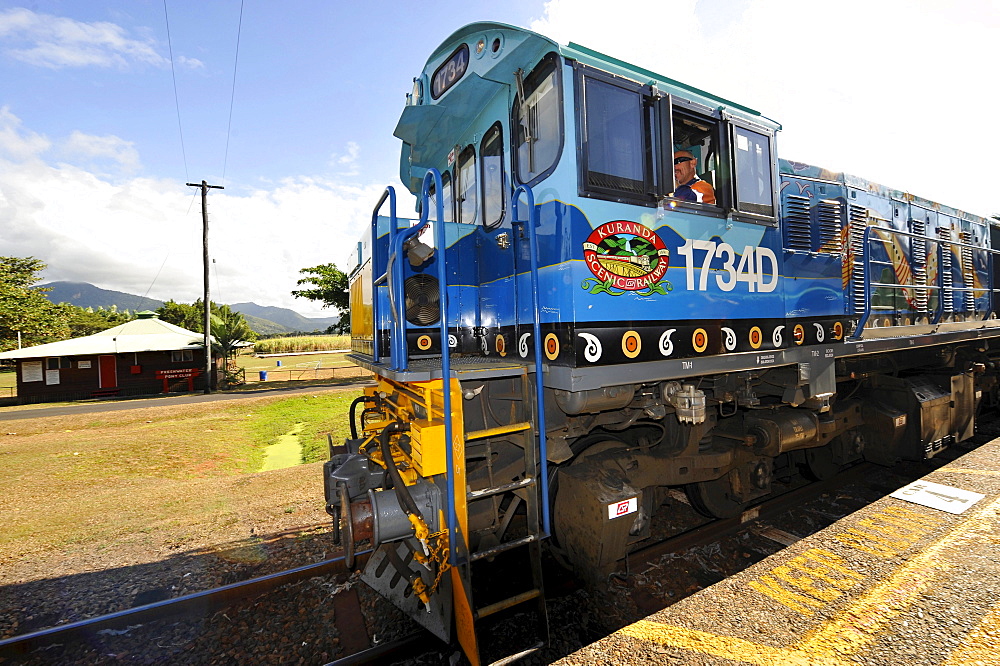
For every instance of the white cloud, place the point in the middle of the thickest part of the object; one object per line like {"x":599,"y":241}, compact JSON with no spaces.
{"x":347,"y":163}
{"x":117,"y":233}
{"x":16,"y":143}
{"x":885,"y":90}
{"x":56,"y":42}
{"x":96,"y":149}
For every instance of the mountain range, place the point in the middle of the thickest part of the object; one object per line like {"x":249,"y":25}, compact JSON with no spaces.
{"x":263,"y":319}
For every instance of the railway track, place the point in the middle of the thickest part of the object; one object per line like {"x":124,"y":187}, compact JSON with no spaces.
{"x":196,"y":604}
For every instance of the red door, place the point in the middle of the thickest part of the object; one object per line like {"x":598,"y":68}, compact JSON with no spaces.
{"x":108,"y":371}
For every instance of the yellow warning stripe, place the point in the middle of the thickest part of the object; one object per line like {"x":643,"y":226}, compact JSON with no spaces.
{"x":832,"y":643}
{"x":965,"y":470}
{"x":736,"y":649}
{"x":860,"y":622}
{"x":980,"y":645}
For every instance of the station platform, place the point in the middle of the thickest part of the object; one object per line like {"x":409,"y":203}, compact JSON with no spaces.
{"x":898,"y":582}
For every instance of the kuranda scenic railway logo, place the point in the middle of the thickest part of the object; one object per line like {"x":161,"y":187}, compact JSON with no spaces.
{"x":626,"y":256}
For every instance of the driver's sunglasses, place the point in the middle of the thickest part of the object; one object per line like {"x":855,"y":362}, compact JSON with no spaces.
{"x":682,"y":160}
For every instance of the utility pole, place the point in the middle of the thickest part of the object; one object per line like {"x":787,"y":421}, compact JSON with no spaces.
{"x":205,"y":187}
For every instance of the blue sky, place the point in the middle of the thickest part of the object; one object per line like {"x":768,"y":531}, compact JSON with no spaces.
{"x":92,"y":170}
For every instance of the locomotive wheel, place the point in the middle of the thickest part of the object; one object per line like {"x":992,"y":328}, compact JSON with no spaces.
{"x":711,"y":498}
{"x":820,"y":464}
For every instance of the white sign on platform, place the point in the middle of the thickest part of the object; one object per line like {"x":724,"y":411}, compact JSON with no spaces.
{"x":936,"y":496}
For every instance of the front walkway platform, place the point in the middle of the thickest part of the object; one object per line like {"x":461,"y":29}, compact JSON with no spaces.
{"x":896,"y":583}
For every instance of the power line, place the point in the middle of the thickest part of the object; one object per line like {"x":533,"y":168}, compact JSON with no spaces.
{"x":177,"y":103}
{"x":232,"y":98}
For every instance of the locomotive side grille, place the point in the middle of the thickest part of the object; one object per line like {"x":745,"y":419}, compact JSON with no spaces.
{"x":968,"y":272}
{"x":797,"y":223}
{"x":829,"y":218}
{"x":948,"y":304}
{"x":918,"y":261}
{"x":859,"y":220}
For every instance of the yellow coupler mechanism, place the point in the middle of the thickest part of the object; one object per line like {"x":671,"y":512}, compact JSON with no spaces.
{"x":387,"y":486}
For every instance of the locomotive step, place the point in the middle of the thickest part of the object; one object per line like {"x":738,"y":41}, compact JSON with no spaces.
{"x":503,"y":548}
{"x":488,"y":492}
{"x":499,"y":430}
{"x":509,"y":602}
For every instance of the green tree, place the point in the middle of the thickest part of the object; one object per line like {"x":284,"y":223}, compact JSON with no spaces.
{"x":181,"y":314}
{"x":88,"y":321}
{"x":329,"y":287}
{"x":230,"y":329}
{"x":24,"y":307}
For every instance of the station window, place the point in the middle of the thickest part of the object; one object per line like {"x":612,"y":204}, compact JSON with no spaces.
{"x":56,"y":363}
{"x":537,"y":121}
{"x":491,"y":164}
{"x":616,"y":158}
{"x":447,"y":203}
{"x":465,"y":177}
{"x":754,"y":178}
{"x":182,"y":356}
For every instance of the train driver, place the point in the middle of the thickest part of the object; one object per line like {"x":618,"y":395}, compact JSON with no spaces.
{"x":689,"y":186}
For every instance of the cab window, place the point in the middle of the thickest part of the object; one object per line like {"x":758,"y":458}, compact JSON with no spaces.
{"x":754,"y":178}
{"x":492,"y":176}
{"x":616,"y":159}
{"x":695,"y":159}
{"x":537,"y":121}
{"x":465,"y":176}
{"x":447,"y":203}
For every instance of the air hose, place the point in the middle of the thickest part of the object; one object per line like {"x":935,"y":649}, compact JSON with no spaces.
{"x":353,"y":413}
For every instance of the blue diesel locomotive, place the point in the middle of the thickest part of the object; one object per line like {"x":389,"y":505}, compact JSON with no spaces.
{"x":615,"y":287}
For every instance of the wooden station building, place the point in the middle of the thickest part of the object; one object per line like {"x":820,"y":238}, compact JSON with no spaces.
{"x":141,"y":357}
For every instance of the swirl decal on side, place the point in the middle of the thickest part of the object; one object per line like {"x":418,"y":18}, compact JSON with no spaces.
{"x":820,"y":332}
{"x":452,"y":341}
{"x":730,"y":341}
{"x":592,"y":352}
{"x":522,"y":345}
{"x":666,"y":344}
{"x":776,"y":336}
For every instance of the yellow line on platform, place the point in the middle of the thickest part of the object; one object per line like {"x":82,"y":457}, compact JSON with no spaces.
{"x":735,"y":649}
{"x":862,"y":621}
{"x":965,"y":470}
{"x":833,"y":643}
{"x":980,"y":645}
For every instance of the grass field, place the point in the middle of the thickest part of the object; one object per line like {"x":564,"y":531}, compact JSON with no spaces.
{"x":305,"y":343}
{"x":159,"y":473}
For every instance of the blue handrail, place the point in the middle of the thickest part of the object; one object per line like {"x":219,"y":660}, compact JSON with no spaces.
{"x":390,"y":194}
{"x":440,"y":242}
{"x":531,"y":223}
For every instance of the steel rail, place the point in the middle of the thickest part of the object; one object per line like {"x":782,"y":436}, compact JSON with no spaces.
{"x":195,"y":604}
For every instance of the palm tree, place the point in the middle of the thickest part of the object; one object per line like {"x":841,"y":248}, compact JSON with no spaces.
{"x":231,"y":333}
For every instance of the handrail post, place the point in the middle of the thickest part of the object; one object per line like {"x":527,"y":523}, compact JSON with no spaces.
{"x":440,"y":242}
{"x":531,"y":223}
{"x":389,"y":193}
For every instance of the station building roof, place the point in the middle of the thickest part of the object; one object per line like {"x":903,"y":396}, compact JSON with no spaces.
{"x":146,"y":334}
